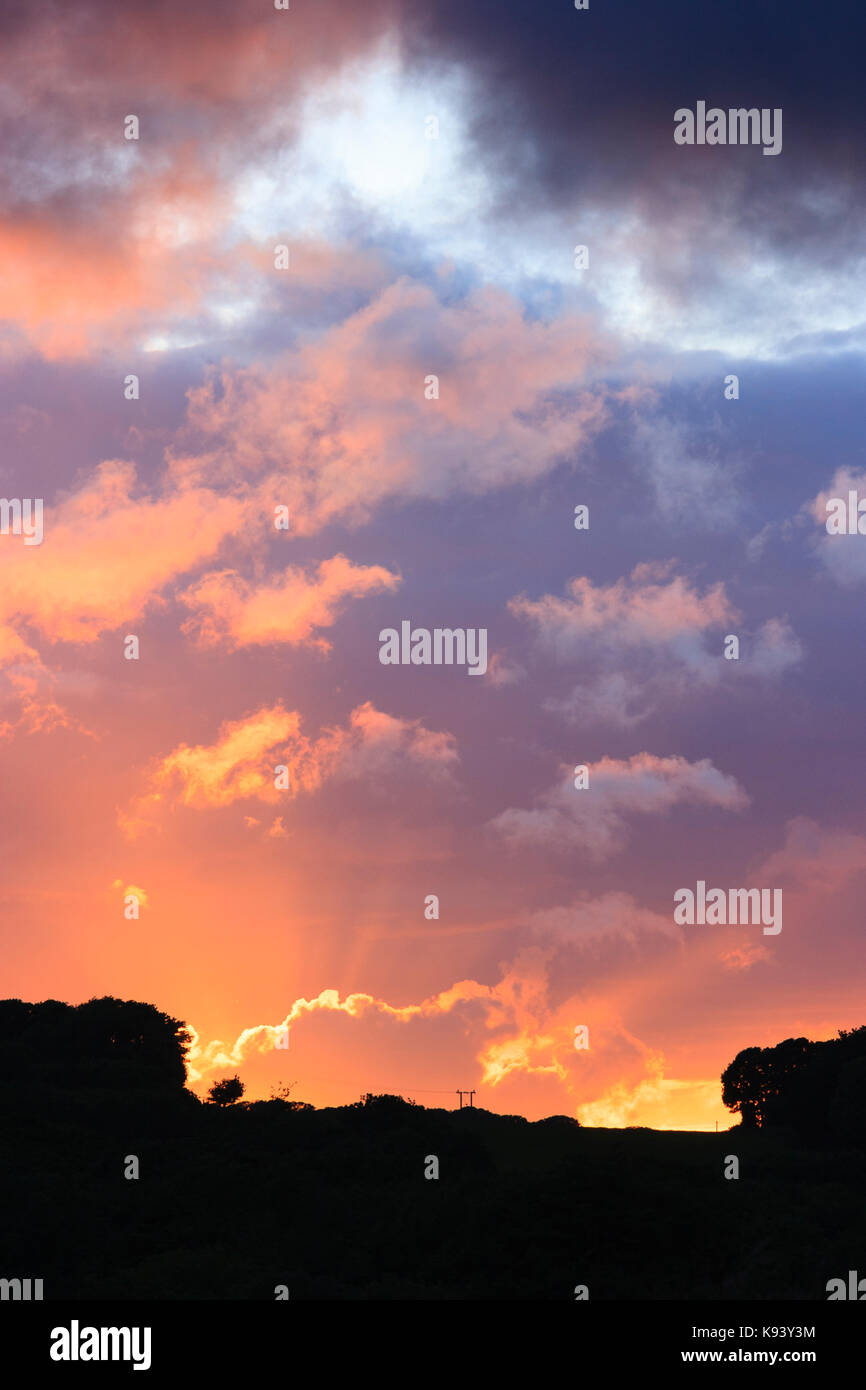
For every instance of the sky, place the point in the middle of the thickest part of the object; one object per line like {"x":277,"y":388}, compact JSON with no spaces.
{"x":332,"y":281}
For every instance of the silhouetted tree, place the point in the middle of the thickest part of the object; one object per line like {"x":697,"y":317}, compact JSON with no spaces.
{"x":803,"y":1085}
{"x":383,"y":1104}
{"x":125,"y":1030}
{"x":742,"y":1087}
{"x":226,"y":1092}
{"x":106,"y":1042}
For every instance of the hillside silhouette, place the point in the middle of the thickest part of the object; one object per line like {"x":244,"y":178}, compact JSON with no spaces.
{"x":234,"y":1199}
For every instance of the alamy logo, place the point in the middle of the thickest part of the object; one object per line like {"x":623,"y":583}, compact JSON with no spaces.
{"x":846,"y":521}
{"x":22,"y":516}
{"x":738,"y":126}
{"x":736,"y":907}
{"x":444,"y":646}
{"x":101,"y":1344}
{"x":853,"y":1290}
{"x":19,"y":1290}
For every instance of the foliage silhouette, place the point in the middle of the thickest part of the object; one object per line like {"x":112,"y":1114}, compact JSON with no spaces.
{"x":227,"y":1091}
{"x":105,"y":1042}
{"x":334,"y":1202}
{"x":802,"y":1085}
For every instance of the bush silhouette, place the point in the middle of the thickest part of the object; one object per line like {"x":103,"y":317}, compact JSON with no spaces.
{"x":226,"y":1092}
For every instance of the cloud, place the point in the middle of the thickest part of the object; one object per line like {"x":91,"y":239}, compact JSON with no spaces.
{"x":107,"y":551}
{"x":612,"y":699}
{"x":744,"y":957}
{"x":814,"y":858}
{"x":656,"y":1100}
{"x":591,"y":922}
{"x":696,"y":246}
{"x":647,"y":609}
{"x":262,"y":1037}
{"x":843,"y":556}
{"x":595,"y":819}
{"x":110,"y":548}
{"x":42,"y":716}
{"x":663,"y":620}
{"x":132,"y":890}
{"x":513,"y":1035}
{"x":381,"y":744}
{"x":111,"y":235}
{"x":692,"y":485}
{"x":241,"y":764}
{"x":349,"y":410}
{"x":501,"y":671}
{"x":774,"y":648}
{"x":291,"y":608}
{"x":233,"y":100}
{"x":82,"y":283}
{"x":110,"y":552}
{"x":513,"y":1008}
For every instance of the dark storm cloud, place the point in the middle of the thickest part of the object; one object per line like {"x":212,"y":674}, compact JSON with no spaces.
{"x":577,"y":105}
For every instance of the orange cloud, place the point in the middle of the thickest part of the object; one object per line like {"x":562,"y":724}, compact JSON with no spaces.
{"x":105,"y":555}
{"x":655,"y":1100}
{"x":744,"y":957}
{"x":133,"y":890}
{"x":514,"y":1035}
{"x":242,"y":763}
{"x":262,"y":1037}
{"x":140,"y":261}
{"x":290,"y":609}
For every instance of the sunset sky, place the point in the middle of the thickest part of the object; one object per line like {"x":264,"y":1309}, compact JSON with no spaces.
{"x":443,"y":248}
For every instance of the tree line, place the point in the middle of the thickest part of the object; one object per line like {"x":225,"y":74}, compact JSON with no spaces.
{"x":802,"y":1085}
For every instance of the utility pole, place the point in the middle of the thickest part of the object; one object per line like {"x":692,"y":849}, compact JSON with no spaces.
{"x":470,"y":1094}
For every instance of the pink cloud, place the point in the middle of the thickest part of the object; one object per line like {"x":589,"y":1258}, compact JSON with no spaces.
{"x":291,"y":608}
{"x":663,"y":616}
{"x":349,"y":411}
{"x":646,"y":609}
{"x":589,"y":922}
{"x":815,"y":858}
{"x":595,"y":818}
{"x":843,"y":556}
